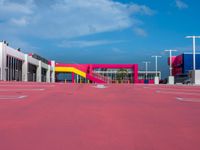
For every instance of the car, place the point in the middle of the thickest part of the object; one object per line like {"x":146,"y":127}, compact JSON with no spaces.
{"x":164,"y":81}
{"x":188,"y":81}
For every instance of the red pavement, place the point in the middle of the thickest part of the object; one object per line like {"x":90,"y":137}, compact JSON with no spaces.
{"x":81,"y":117}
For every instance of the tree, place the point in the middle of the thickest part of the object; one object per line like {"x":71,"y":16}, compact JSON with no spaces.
{"x":122,"y":74}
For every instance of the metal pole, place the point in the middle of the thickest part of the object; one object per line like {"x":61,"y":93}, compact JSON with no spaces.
{"x":170,"y":59}
{"x":194,"y":49}
{"x":194,"y":53}
{"x":146,"y":69}
{"x":156,"y":64}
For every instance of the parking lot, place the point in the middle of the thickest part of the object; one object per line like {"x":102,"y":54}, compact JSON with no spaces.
{"x":39,"y":116}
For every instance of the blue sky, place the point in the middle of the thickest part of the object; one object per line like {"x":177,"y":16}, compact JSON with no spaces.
{"x":100,"y":31}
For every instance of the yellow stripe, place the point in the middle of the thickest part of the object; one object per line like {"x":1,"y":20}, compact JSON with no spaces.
{"x":70,"y":69}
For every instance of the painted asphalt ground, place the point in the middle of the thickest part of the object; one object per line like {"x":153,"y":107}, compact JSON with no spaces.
{"x":83,"y":117}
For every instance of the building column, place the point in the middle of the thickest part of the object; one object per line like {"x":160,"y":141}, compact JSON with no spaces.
{"x":135,"y":73}
{"x":77,"y":79}
{"x":39,"y":72}
{"x":25,"y":68}
{"x":73,"y":77}
{"x":53,"y":71}
{"x":48,"y":74}
{"x":3,"y":61}
{"x":90,"y":69}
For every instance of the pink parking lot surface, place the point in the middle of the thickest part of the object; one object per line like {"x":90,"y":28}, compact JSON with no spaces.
{"x":40,"y":116}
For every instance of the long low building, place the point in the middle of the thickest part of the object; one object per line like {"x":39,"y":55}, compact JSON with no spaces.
{"x":17,"y":66}
{"x":182,"y":65}
{"x":97,"y":73}
{"x":103,"y":73}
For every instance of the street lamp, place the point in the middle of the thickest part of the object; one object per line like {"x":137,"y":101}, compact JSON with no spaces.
{"x":156,"y":63}
{"x":194,"y":49}
{"x":171,"y":78}
{"x":146,"y":67}
{"x":156,"y":78}
{"x":170,"y":60}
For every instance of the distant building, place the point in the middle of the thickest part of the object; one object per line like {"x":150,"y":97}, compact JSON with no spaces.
{"x":17,"y":66}
{"x":150,"y":75}
{"x":182,"y":64}
{"x":103,"y":73}
{"x":97,"y":73}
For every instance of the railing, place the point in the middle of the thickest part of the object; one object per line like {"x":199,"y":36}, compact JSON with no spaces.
{"x":109,"y":80}
{"x":101,"y":77}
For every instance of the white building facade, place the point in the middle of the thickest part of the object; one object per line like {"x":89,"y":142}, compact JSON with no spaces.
{"x":17,"y":66}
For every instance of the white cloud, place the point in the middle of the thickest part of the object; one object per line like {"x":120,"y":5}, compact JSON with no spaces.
{"x":118,"y":51}
{"x":69,"y":18}
{"x":84,"y":43}
{"x":140,"y":31}
{"x":20,"y":22}
{"x":181,"y":5}
{"x":142,"y":9}
{"x":8,"y":7}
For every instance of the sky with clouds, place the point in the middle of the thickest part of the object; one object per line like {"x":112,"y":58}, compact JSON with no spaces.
{"x":100,"y":31}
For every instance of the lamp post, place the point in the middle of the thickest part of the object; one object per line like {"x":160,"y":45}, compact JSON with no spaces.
{"x":156,"y":78}
{"x":146,"y":67}
{"x":156,"y":63}
{"x":170,"y":60}
{"x":194,"y":49}
{"x":171,"y":77}
{"x":195,"y":73}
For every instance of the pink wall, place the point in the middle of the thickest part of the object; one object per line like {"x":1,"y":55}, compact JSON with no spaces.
{"x":135,"y":75}
{"x":151,"y":81}
{"x":177,"y":61}
{"x":88,"y":68}
{"x":177,"y":69}
{"x":173,"y":59}
{"x":140,"y":81}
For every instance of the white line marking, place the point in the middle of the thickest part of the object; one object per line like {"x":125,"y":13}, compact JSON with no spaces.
{"x":183,"y":93}
{"x":179,"y":98}
{"x":173,"y":89}
{"x":188,"y":99}
{"x":27,"y":85}
{"x":23,"y":96}
{"x":12,"y":97}
{"x":7,"y":90}
{"x":100,"y":86}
